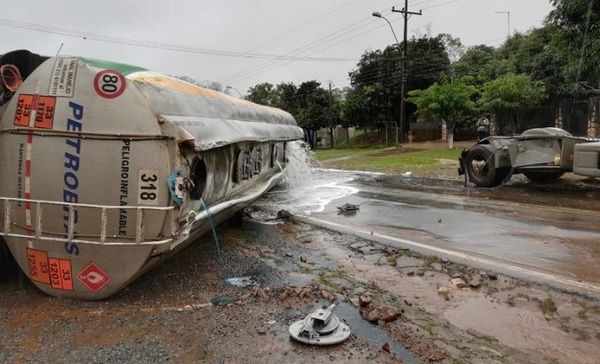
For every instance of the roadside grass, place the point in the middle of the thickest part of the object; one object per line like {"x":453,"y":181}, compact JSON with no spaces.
{"x":325,"y":154}
{"x":391,"y":160}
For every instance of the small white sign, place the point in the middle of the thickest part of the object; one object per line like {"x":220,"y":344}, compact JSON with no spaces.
{"x":62,"y":83}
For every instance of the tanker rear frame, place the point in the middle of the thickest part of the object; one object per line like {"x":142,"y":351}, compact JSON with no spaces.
{"x":541,"y":154}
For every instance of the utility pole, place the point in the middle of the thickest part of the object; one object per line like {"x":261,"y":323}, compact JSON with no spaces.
{"x":405,"y":13}
{"x":331,"y":117}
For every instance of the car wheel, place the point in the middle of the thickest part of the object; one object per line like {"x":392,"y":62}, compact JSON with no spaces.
{"x":479,"y":164}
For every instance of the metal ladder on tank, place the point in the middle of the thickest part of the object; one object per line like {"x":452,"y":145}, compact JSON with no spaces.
{"x":35,"y":231}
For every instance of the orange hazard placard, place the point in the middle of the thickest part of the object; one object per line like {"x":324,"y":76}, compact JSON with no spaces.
{"x":60,"y":274}
{"x":44,"y":116}
{"x":37,"y":261}
{"x":23,"y":111}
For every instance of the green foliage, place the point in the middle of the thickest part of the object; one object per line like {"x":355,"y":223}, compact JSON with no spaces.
{"x":427,"y":59}
{"x":313,"y":105}
{"x":541,"y":56}
{"x":310,"y":104}
{"x":563,"y":53}
{"x":449,"y":101}
{"x":263,"y":94}
{"x":577,"y":33}
{"x":378,"y":74}
{"x":327,"y":153}
{"x":454,"y":47}
{"x":287,"y":97}
{"x":360,"y":107}
{"x":483,"y":63}
{"x":510,"y":94}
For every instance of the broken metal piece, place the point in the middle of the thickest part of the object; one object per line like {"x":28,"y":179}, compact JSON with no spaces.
{"x":321,"y":327}
{"x":348,"y":207}
{"x":284,"y":215}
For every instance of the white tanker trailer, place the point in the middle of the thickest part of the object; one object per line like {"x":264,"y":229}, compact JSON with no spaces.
{"x":108,"y":169}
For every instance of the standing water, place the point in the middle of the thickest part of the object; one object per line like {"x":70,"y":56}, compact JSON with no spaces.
{"x":308,"y":189}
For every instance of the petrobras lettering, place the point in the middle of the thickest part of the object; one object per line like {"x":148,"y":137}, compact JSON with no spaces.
{"x":71,"y":169}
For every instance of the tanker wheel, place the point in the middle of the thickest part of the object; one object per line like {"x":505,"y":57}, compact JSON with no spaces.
{"x":479,"y":165}
{"x":541,"y":177}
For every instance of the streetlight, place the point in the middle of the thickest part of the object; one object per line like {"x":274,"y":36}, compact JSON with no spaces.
{"x":378,"y":15}
{"x":233,"y":88}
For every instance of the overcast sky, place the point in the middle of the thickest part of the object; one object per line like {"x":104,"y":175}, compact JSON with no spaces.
{"x":237,"y":42}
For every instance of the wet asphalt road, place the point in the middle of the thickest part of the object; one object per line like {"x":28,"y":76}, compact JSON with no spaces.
{"x":544,"y":233}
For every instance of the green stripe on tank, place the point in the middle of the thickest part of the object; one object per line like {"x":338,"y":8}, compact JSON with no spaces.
{"x":121,"y":67}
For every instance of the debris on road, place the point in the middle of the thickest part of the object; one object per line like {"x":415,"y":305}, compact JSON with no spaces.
{"x":321,"y":327}
{"x":348,"y":207}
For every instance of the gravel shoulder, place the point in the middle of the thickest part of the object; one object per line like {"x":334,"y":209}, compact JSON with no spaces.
{"x":401,"y":308}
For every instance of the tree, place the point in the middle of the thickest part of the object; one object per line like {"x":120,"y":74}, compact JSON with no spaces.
{"x":264,"y":94}
{"x":359,"y":109}
{"x":287,"y":97}
{"x":376,"y":78}
{"x":483,"y":63}
{"x":427,"y":59}
{"x":541,"y":56}
{"x":313,"y":105}
{"x":508,"y":96}
{"x":449,"y":101}
{"x":579,"y":33}
{"x":454,"y":47}
{"x":381,"y":72}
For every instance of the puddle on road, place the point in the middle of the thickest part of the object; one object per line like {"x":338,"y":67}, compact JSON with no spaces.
{"x":369,"y":332}
{"x":282,"y":265}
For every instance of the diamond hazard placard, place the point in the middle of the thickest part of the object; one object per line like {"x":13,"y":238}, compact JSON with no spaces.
{"x":93,"y":277}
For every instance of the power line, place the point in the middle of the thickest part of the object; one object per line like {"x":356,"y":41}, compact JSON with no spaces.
{"x":294,"y":30}
{"x":265,"y":67}
{"x":290,"y":57}
{"x":155,"y":45}
{"x":252,"y":70}
{"x":324,"y":41}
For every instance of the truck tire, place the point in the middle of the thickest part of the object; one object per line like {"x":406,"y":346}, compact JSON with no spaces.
{"x":480,"y":166}
{"x":541,"y":177}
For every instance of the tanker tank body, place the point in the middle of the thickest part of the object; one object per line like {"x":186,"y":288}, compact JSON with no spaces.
{"x":108,"y":169}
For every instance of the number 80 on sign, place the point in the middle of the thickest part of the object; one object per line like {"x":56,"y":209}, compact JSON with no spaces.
{"x":109,"y":84}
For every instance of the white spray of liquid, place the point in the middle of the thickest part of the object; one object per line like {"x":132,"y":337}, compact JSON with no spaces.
{"x":308,"y":188}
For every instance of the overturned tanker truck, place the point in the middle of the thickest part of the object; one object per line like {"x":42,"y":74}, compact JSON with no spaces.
{"x":541,"y":154}
{"x":109,"y":169}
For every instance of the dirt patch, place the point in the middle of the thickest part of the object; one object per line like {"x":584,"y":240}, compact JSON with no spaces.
{"x":401,"y":308}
